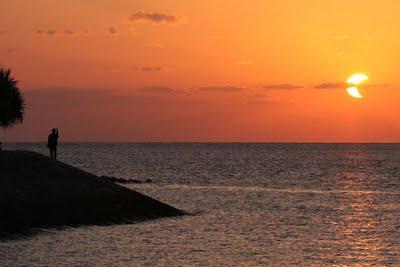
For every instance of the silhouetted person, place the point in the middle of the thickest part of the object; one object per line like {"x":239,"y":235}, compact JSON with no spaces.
{"x":52,"y":143}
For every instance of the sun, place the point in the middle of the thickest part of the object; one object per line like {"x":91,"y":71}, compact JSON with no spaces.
{"x":355,"y":80}
{"x":353,"y":91}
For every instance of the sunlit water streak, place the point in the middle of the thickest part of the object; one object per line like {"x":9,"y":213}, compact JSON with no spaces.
{"x":253,"y":204}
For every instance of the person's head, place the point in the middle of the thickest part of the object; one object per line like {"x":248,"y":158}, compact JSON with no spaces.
{"x":53,"y":130}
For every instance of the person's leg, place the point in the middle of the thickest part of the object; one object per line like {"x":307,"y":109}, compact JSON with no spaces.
{"x":52,"y":153}
{"x":55,"y":153}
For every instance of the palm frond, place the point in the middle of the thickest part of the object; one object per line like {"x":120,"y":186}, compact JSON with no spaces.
{"x":12,"y":103}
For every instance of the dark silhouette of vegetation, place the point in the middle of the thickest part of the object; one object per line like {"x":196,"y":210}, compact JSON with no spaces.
{"x":12,"y":104}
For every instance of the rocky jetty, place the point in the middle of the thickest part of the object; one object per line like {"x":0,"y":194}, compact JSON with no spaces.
{"x":37,"y":192}
{"x":125,"y":181}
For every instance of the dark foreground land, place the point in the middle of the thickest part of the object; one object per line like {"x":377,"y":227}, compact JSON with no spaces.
{"x":38,"y":192}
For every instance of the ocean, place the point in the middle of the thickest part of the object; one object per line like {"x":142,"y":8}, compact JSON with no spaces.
{"x":251,"y":205}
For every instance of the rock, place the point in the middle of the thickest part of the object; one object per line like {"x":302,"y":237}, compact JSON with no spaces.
{"x":36,"y":191}
{"x":125,"y":181}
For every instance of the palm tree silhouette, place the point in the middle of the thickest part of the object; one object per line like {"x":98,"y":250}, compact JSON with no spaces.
{"x":12,"y":104}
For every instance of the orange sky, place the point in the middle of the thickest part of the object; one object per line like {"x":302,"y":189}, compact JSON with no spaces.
{"x":227,"y":70}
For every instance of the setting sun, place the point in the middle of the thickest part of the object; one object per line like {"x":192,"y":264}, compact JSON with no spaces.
{"x":356,"y":79}
{"x":353,"y":91}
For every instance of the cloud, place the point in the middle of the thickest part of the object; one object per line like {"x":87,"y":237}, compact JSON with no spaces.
{"x":162,"y":90}
{"x":283,"y":86}
{"x":258,"y":102}
{"x":75,"y":33}
{"x":86,"y":98}
{"x":46,"y":32}
{"x":221,"y":89}
{"x":69,"y":32}
{"x":339,"y":85}
{"x":331,"y":85}
{"x":69,"y":96}
{"x":66,"y":32}
{"x":157,"y":18}
{"x":62,"y":97}
{"x":151,"y":69}
{"x":156,"y":89}
{"x":112,"y":31}
{"x":11,"y":50}
{"x":147,"y":69}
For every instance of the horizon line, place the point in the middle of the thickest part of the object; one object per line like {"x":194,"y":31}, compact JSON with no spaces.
{"x":206,"y":142}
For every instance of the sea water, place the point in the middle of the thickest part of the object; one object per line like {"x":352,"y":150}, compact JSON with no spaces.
{"x":251,"y":205}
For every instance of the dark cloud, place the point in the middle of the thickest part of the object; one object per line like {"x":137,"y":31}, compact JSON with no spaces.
{"x":162,"y":90}
{"x":46,"y":32}
{"x":149,"y":69}
{"x":158,"y":18}
{"x":258,"y":102}
{"x":66,"y":32}
{"x":56,"y":98}
{"x":330,"y":85}
{"x":134,"y":68}
{"x":338,"y":85}
{"x":221,"y":89}
{"x":282,"y":86}
{"x":155,"y":89}
{"x":68,"y":97}
{"x":69,"y":32}
{"x":112,"y":31}
{"x":11,"y":50}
